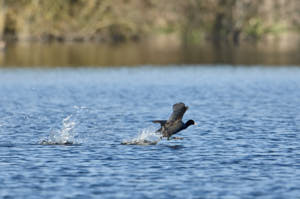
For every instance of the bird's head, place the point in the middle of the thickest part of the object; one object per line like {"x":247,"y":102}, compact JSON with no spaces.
{"x":190,"y":122}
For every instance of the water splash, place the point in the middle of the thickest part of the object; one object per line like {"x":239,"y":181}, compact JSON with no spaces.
{"x":65,"y":136}
{"x":147,"y":136}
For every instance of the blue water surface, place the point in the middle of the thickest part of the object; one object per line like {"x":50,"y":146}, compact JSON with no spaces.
{"x":246,"y":143}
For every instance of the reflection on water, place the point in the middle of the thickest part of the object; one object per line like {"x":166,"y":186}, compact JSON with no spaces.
{"x":131,"y":54}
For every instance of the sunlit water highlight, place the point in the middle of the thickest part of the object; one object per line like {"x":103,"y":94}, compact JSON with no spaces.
{"x":246,"y":143}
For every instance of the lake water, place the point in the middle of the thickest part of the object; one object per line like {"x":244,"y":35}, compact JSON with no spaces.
{"x":246,"y":143}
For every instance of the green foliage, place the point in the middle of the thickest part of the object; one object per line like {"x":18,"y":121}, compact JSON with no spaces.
{"x":255,"y":28}
{"x":121,"y":20}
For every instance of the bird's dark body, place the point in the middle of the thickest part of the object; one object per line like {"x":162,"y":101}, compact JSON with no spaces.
{"x":172,"y":128}
{"x":174,"y":124}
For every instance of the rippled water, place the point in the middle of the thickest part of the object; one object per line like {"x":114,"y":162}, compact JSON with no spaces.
{"x":247,"y":143}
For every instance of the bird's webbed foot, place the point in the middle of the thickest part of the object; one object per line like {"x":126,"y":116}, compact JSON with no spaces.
{"x":177,"y":138}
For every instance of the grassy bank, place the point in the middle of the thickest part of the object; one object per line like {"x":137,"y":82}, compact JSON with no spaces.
{"x":122,"y":20}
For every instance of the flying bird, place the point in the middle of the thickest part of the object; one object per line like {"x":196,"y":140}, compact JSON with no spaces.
{"x":174,"y":124}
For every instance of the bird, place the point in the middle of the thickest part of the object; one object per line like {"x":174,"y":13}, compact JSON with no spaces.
{"x":174,"y":124}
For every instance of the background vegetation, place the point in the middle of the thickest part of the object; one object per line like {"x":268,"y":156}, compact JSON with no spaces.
{"x":121,"y":20}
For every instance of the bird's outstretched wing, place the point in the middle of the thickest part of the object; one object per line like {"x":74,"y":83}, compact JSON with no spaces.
{"x":178,"y":111}
{"x":161,"y":122}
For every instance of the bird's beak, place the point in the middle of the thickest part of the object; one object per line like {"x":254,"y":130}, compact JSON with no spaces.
{"x":196,"y":124}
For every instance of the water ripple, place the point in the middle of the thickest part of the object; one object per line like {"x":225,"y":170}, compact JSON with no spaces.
{"x":245,"y":146}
